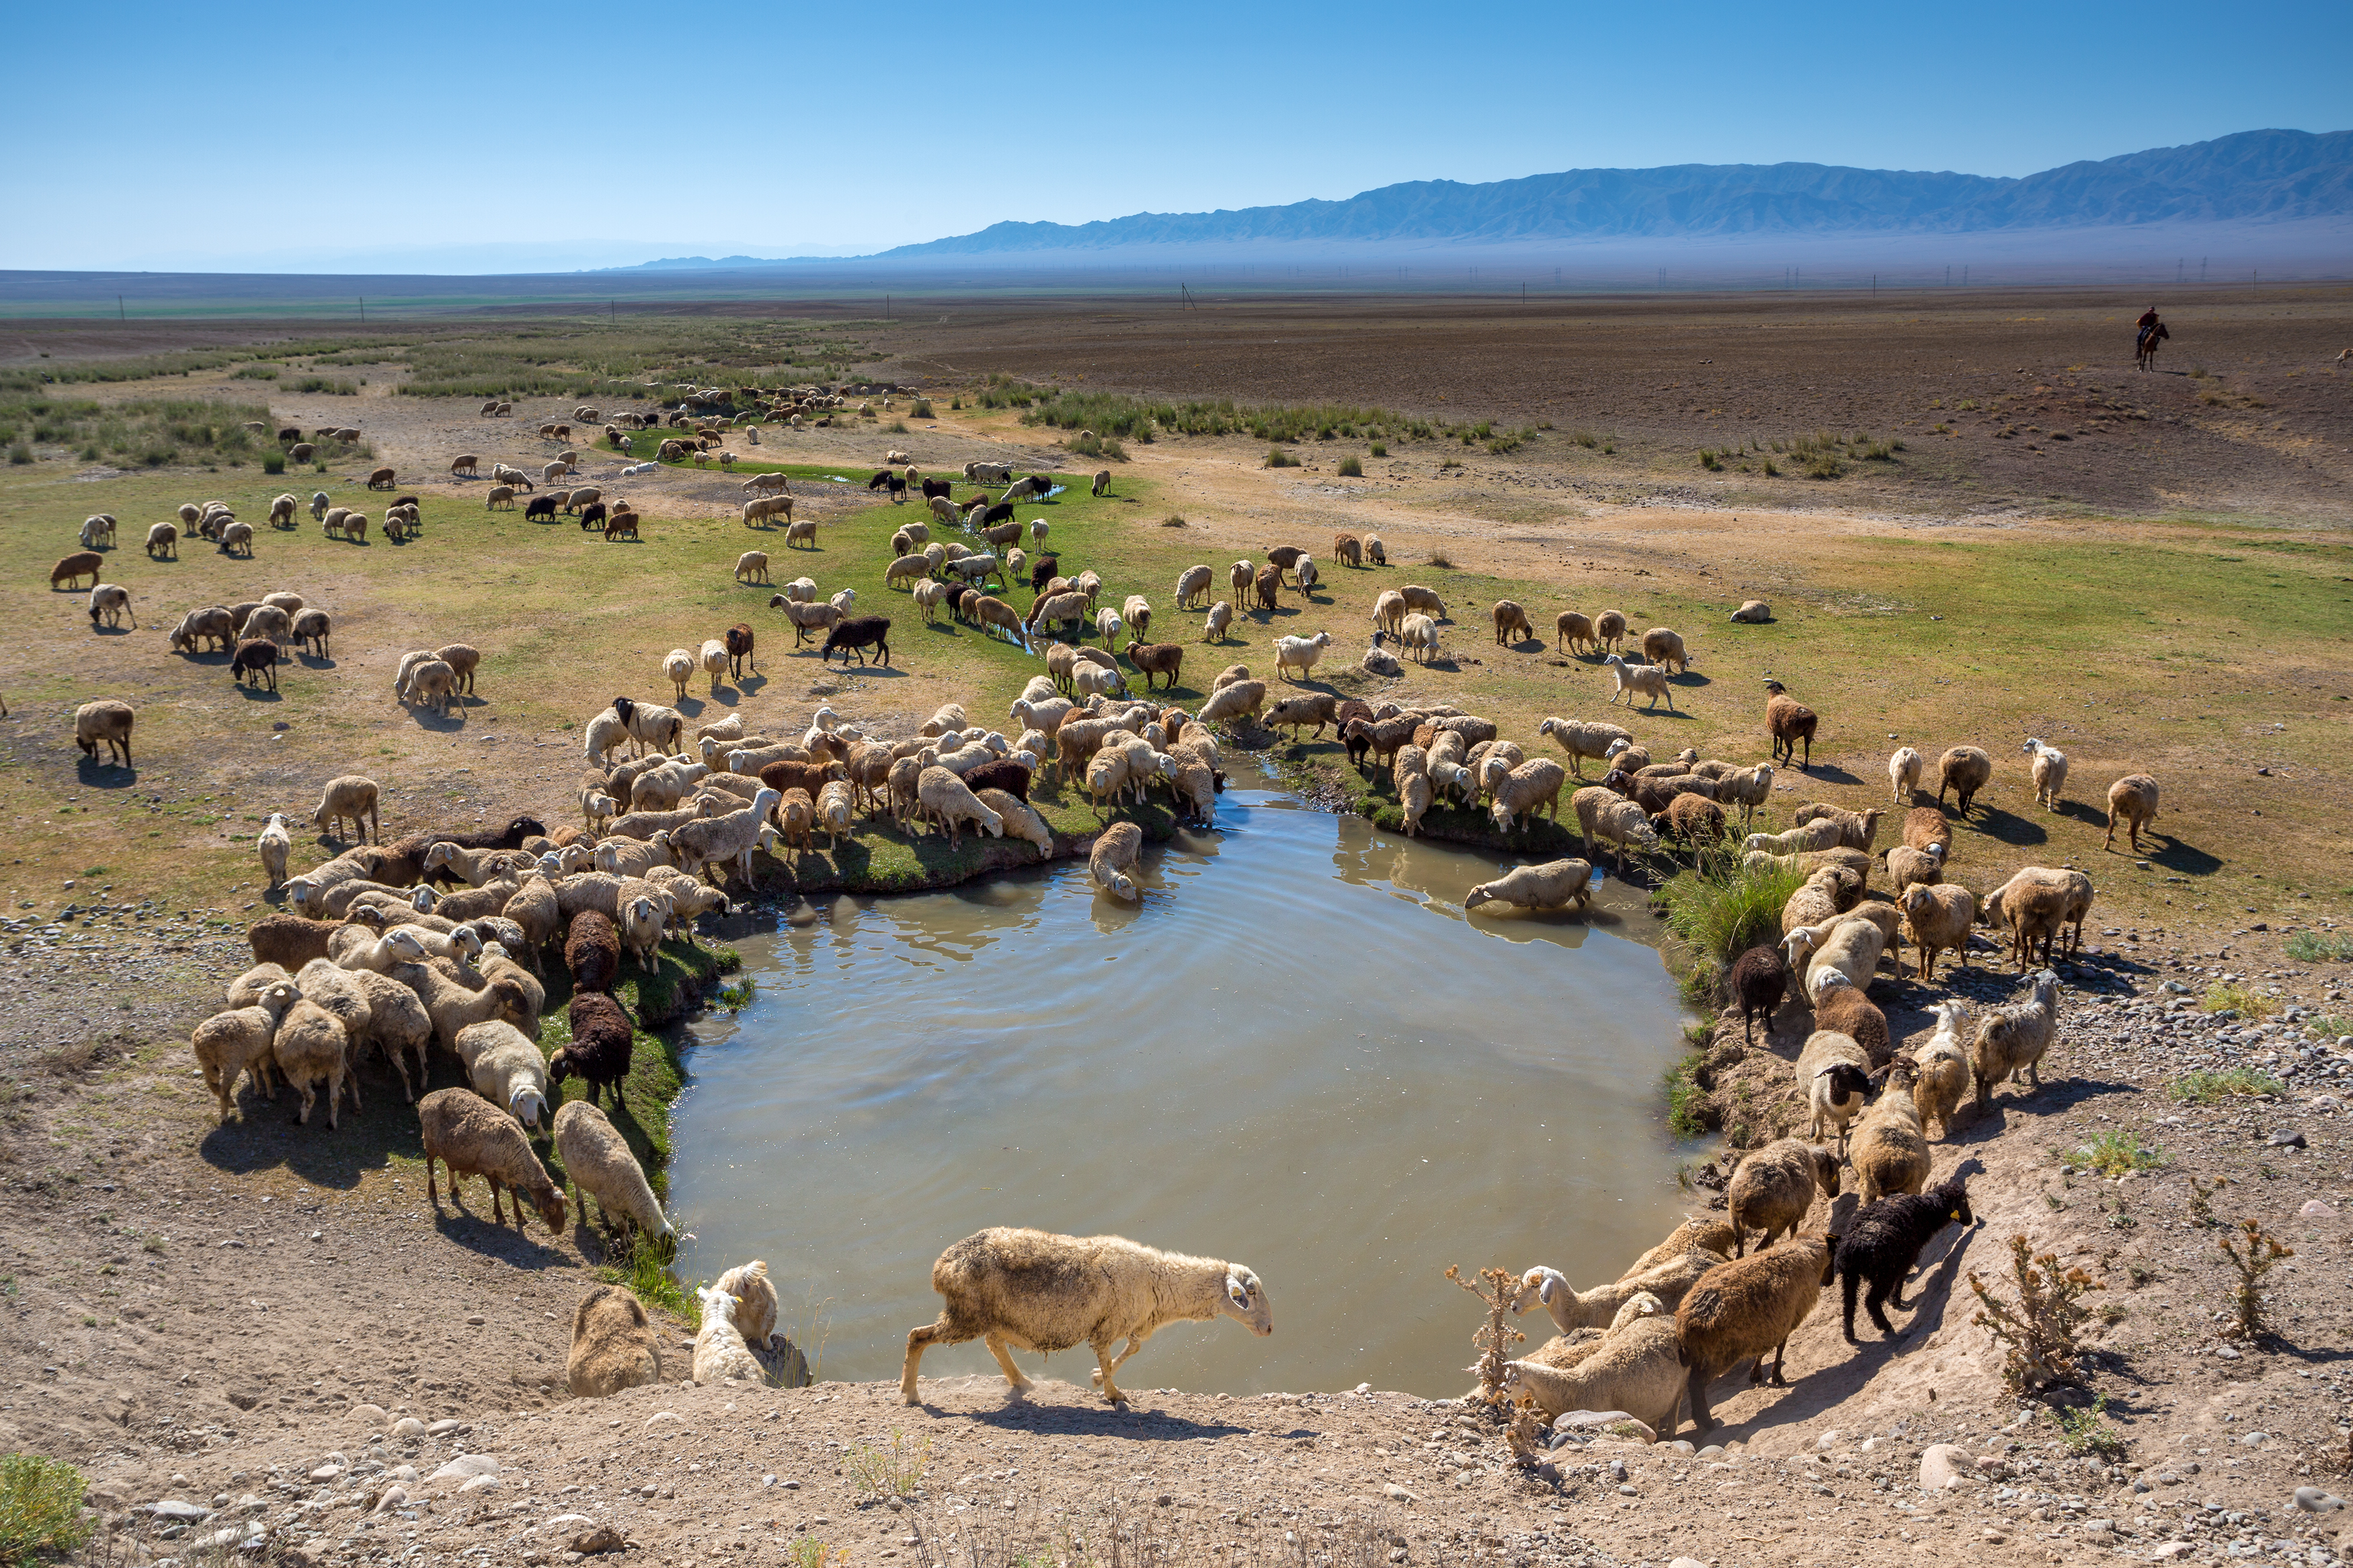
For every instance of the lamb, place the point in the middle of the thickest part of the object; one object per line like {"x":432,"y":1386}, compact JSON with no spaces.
{"x":1856,"y":829}
{"x":1604,"y":817}
{"x":1550,"y":886}
{"x":1664,"y":648}
{"x":1903,"y":767}
{"x":1759,"y":980}
{"x":1883,"y":1246}
{"x":107,"y":722}
{"x":720,"y":1352}
{"x":1037,"y":1290}
{"x":1299,"y":653}
{"x":600,"y":1048}
{"x":1964,"y":770}
{"x":1849,"y":945}
{"x":1637,"y":1370}
{"x":1774,"y":1187}
{"x":1511,"y":624}
{"x":1240,"y":698}
{"x":2132,"y":800}
{"x":1752,"y":612}
{"x":1889,"y":1152}
{"x":1116,"y":850}
{"x":109,"y":603}
{"x":2012,"y":1040}
{"x":596,"y":1160}
{"x":1788,"y":721}
{"x":1533,"y":786}
{"x":946,"y":800}
{"x":311,"y":1046}
{"x":612,"y":1344}
{"x":239,"y":1041}
{"x":1833,"y":1074}
{"x":1843,"y":1008}
{"x":1829,"y":892}
{"x":1581,"y":740}
{"x":1666,"y":1281}
{"x":1943,"y":1068}
{"x":474,"y":1138}
{"x":505,"y":1068}
{"x":1939,"y":917}
{"x":1214,"y":626}
{"x":1747,"y":1307}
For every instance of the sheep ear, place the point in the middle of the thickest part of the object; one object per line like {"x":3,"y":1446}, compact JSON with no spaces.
{"x":1545,"y":1289}
{"x":1234,"y":1291}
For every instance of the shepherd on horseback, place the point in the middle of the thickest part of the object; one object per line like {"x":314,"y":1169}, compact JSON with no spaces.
{"x":2150,"y":332}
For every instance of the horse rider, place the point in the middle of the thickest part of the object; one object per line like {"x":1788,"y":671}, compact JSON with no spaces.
{"x":2146,"y":325}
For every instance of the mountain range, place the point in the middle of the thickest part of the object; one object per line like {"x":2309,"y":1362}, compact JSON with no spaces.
{"x":2253,"y":176}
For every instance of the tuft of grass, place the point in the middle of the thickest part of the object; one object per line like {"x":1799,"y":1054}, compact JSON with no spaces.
{"x":275,"y":463}
{"x":1444,"y":561}
{"x":893,"y":1471}
{"x":2239,"y":999}
{"x":2116,"y":1151}
{"x":1276,"y":458}
{"x":646,"y":1273}
{"x":898,"y":428}
{"x":19,"y":452}
{"x":1379,"y":449}
{"x":2211,"y":1088}
{"x":1350,"y":468}
{"x":1691,"y":1113}
{"x":2084,"y":1432}
{"x":809,"y":1551}
{"x":1721,"y":909}
{"x":1709,"y":460}
{"x":2320,"y":947}
{"x":1173,"y":519}
{"x":736,"y":994}
{"x":922,"y":410}
{"x":40,"y":1507}
{"x":1770,"y":471}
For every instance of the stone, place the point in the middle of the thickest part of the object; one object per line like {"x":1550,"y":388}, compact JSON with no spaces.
{"x":326,"y":1472}
{"x":184,"y":1512}
{"x":2286,"y":1139}
{"x":369,"y":1414}
{"x":1828,"y":1439}
{"x":562,"y":1520}
{"x":1687,"y":1563}
{"x":2312,"y":1499}
{"x":408,"y":1426}
{"x":588,"y":1542}
{"x":481,"y":1484}
{"x":664,"y":1418}
{"x":442,"y":1428}
{"x":392,"y":1498}
{"x":1944,"y":1466}
{"x":2171,"y":1550}
{"x":465,"y":1467}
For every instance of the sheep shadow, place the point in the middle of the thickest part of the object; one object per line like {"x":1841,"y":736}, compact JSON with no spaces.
{"x":1820,"y":773}
{"x":314,"y":661}
{"x":253,"y":693}
{"x":440,"y":720}
{"x":1689,"y":677}
{"x":92,"y":774}
{"x":2179,"y":856}
{"x":2008,"y":828}
{"x":1087,"y":1416}
{"x":2082,"y":812}
{"x":113,"y":631}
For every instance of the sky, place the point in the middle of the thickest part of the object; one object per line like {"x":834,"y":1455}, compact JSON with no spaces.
{"x":439,"y":137}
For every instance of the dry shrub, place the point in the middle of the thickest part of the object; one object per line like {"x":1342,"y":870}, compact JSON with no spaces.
{"x":2041,"y":1328}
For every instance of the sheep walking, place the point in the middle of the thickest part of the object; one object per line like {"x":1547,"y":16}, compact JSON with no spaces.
{"x":1746,"y":1308}
{"x":1884,"y":1246}
{"x":1032,"y":1290}
{"x":2132,"y":801}
{"x":2011,"y":1041}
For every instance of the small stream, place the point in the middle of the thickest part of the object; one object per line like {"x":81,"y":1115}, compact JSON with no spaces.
{"x":1296,"y":1053}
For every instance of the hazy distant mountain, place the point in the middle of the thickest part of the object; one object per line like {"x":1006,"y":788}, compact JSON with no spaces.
{"x":2253,"y":176}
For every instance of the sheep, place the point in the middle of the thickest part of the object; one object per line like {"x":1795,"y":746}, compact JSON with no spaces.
{"x":396,"y":1021}
{"x":1645,"y":680}
{"x":1939,"y":917}
{"x":1908,"y":867}
{"x":1690,"y":819}
{"x":1883,"y":1246}
{"x":1828,"y":893}
{"x":1789,"y":723}
{"x":1665,"y":1281}
{"x":1267,"y":587}
{"x":1157,"y":659}
{"x":1116,"y":850}
{"x":1376,"y":553}
{"x":474,"y":1138}
{"x":946,"y":800}
{"x":1833,"y":1075}
{"x":2132,"y":800}
{"x":596,"y":1160}
{"x":2035,"y":903}
{"x":1637,"y":1370}
{"x":1424,"y":600}
{"x":287,"y":940}
{"x":1759,"y":980}
{"x":756,"y":1300}
{"x":1389,"y":611}
{"x":1036,"y":1290}
{"x":99,"y":531}
{"x":2012,"y":1040}
{"x":1856,"y":830}
{"x":1888,"y":1151}
{"x":1220,"y":617}
{"x":612,"y":1344}
{"x":505,"y":1068}
{"x":1550,"y":886}
{"x":1752,"y":613}
{"x":1774,"y":1188}
{"x":719,"y":1350}
{"x":109,"y":603}
{"x":1841,"y":1008}
{"x":312,"y":629}
{"x":1904,"y":766}
{"x":108,"y":722}
{"x":1581,"y":740}
{"x":1305,"y":577}
{"x":599,"y":1050}
{"x":855,"y":635}
{"x":1746,"y":1307}
{"x":1964,"y":770}
{"x":1348,"y":549}
{"x":1849,"y":945}
{"x":1943,"y":1067}
{"x":430,"y":680}
{"x":1299,"y":653}
{"x":1608,"y":627}
{"x":592,"y":950}
{"x":1664,"y":648}
{"x":1810,"y":835}
{"x":1234,"y":701}
{"x":239,"y":1041}
{"x":313,"y":1045}
{"x":1533,"y":786}
{"x":1419,"y":636}
{"x":1694,"y":1235}
{"x":713,"y":657}
{"x":1603,"y":817}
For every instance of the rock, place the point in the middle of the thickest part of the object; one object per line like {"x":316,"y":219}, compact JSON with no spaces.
{"x":326,"y":1472}
{"x":393,"y":1498}
{"x":408,"y":1426}
{"x":183,"y":1513}
{"x":2170,"y":1551}
{"x":588,"y":1542}
{"x":1828,"y":1439}
{"x":1687,"y":1563}
{"x":562,"y":1520}
{"x":481,"y":1484}
{"x":2226,"y":1353}
{"x":1993,"y":1537}
{"x":660,"y":1417}
{"x":1946,"y":1466}
{"x":235,"y":1535}
{"x":2312,"y":1499}
{"x":2286,"y":1139}
{"x":465,"y":1467}
{"x":2254,"y":1439}
{"x":1396,"y":1493}
{"x":369,"y":1414}
{"x":443,"y":1426}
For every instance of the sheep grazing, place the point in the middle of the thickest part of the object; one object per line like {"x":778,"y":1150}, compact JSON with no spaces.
{"x":1752,"y":613}
{"x":1883,"y":1246}
{"x":1759,"y":980}
{"x":856,"y":634}
{"x":474,"y":1138}
{"x":1943,"y":1068}
{"x":1664,"y":647}
{"x":2132,"y":800}
{"x":1888,"y":1151}
{"x":106,"y":723}
{"x":1116,"y":850}
{"x":1963,"y":770}
{"x":612,"y":1344}
{"x":596,"y":1160}
{"x":1604,"y":817}
{"x":1572,"y":632}
{"x":1690,"y":819}
{"x":1192,"y":587}
{"x":108,"y":604}
{"x":1535,"y":786}
{"x":1236,"y":701}
{"x":592,"y":951}
{"x":1790,"y":723}
{"x":1841,"y":1008}
{"x":70,"y":570}
{"x":1834,"y":1076}
{"x":1939,"y":917}
{"x":1581,"y":740}
{"x":229,"y":1044}
{"x":1036,"y":1290}
{"x":1746,"y":1308}
{"x":1511,"y":624}
{"x":1773,"y":1190}
{"x":1556,"y":884}
{"x":756,"y":1300}
{"x":1637,"y":1369}
{"x":353,"y":798}
{"x":2012,"y":1040}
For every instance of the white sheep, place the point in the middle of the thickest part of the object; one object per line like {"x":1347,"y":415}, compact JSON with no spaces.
{"x":597,"y":1161}
{"x":720,"y":1352}
{"x":1582,"y":740}
{"x":1640,"y":680}
{"x":349,"y":796}
{"x":1904,"y":767}
{"x":1833,"y":1073}
{"x":110,"y":602}
{"x":1550,"y":886}
{"x":2050,"y":770}
{"x":678,"y":667}
{"x":1299,"y":653}
{"x":714,"y":662}
{"x":505,"y":1067}
{"x":275,"y":845}
{"x":1637,"y":1370}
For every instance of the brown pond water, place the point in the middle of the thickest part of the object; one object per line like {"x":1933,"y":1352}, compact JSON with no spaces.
{"x":1296,"y":1053}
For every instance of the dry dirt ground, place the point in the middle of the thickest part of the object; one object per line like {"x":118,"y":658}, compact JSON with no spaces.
{"x":216,"y":1316}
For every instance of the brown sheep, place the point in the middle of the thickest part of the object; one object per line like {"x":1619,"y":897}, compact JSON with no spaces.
{"x":1788,"y":721}
{"x":612,"y":1344}
{"x":1348,"y":549}
{"x":1165,"y":658}
{"x":1694,"y":819}
{"x":1844,"y":1009}
{"x":1747,"y":1307}
{"x":1572,"y":631}
{"x":2132,"y":800}
{"x":382,"y":479}
{"x":71,"y":568}
{"x":592,"y":951}
{"x":1268,"y":581}
{"x":1924,"y":827}
{"x":1511,"y":624}
{"x":809,"y":778}
{"x":475,"y":1137}
{"x":1964,"y":769}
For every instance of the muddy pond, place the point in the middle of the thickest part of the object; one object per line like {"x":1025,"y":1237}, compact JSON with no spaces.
{"x":1297,"y":1054}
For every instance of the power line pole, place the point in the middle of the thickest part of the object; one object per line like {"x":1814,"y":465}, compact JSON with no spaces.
{"x":119,"y":313}
{"x":363,"y":308}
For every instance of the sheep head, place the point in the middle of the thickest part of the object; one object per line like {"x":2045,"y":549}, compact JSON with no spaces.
{"x":1245,"y":1299}
{"x":527,"y":1105}
{"x":1540,"y":1285}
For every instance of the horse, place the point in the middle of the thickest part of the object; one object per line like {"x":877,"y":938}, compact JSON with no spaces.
{"x":2145,"y":347}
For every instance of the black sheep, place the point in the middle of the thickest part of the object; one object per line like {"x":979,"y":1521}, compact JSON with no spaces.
{"x":1357,"y":734}
{"x":592,"y":950}
{"x":856,"y":635}
{"x":599,"y":1050}
{"x":256,"y":655}
{"x":592,"y":516}
{"x":937,"y":488}
{"x":539,"y":506}
{"x":880,"y":479}
{"x":1042,"y":571}
{"x":1886,"y":1242}
{"x":1759,"y":981}
{"x":897,"y":485}
{"x":995,"y":514}
{"x":1010,"y":777}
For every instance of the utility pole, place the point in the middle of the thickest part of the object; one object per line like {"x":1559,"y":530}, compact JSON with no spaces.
{"x":364,"y":307}
{"x":119,"y":313}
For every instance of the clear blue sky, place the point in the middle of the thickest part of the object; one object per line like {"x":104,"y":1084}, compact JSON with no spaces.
{"x":439,"y":137}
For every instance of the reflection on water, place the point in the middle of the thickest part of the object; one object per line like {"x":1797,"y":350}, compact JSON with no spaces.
{"x":1295,"y":1053}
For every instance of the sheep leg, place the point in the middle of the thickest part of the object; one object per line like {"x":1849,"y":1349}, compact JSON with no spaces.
{"x":1780,"y":1353}
{"x":1013,"y":1374}
{"x":1695,"y":1394}
{"x":1885,"y":1291}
